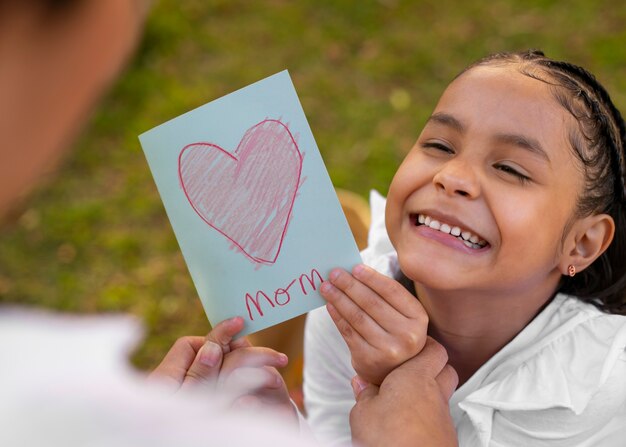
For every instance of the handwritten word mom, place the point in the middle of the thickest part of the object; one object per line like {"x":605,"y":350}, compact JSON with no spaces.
{"x":282,"y":295}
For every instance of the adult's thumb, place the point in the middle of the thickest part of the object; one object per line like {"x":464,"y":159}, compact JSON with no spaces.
{"x":206,"y":366}
{"x":362,"y":389}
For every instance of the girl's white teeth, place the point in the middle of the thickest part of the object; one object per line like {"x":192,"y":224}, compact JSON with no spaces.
{"x":469,"y":239}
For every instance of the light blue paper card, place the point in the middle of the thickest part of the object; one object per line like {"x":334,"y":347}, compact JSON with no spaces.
{"x":254,"y":211}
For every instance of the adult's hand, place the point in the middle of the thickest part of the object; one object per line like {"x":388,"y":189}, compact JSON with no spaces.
{"x":196,"y":361}
{"x":246,"y":373}
{"x":411,"y":405}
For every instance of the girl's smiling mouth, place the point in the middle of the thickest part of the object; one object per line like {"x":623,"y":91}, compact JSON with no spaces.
{"x":467,"y":237}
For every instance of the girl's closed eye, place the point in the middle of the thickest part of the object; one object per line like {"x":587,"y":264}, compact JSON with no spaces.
{"x":514,"y":172}
{"x":437,"y":146}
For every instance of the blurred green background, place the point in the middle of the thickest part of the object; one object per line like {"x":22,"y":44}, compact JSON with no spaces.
{"x":95,"y":237}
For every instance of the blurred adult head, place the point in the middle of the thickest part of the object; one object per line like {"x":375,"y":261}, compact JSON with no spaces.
{"x":57,"y":57}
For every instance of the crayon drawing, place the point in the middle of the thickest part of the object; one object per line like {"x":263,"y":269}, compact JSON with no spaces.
{"x":248,"y":195}
{"x":258,"y":240}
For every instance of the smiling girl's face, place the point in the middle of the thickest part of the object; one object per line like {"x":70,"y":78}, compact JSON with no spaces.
{"x":493,"y":165}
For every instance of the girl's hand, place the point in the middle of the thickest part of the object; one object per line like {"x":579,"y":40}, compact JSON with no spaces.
{"x":246,"y":372}
{"x":383,"y":323}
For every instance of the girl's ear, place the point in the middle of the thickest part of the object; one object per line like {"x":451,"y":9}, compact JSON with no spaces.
{"x":587,"y":240}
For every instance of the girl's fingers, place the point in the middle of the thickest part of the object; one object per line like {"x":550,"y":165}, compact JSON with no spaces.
{"x":357,"y":318}
{"x":367,"y":299}
{"x":391,"y":290}
{"x":353,"y":339}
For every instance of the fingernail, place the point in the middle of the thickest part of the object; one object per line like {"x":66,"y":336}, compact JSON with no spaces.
{"x":210,"y":354}
{"x":357,"y":385}
{"x":358,"y":269}
{"x":326,"y":287}
{"x":283,"y":359}
{"x":334,"y":274}
{"x":234,"y":320}
{"x":278,"y":382}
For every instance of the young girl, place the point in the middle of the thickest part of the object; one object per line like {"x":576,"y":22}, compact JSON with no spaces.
{"x":505,"y":242}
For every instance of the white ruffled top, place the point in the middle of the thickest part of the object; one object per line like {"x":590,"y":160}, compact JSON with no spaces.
{"x":559,"y":382}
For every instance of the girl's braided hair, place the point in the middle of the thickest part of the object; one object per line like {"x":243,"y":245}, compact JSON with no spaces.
{"x":598,"y":142}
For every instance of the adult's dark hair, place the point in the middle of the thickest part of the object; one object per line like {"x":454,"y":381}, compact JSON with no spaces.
{"x":598,"y":142}
{"x":50,"y":8}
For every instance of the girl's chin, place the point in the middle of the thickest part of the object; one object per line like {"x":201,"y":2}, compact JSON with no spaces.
{"x":429,"y":274}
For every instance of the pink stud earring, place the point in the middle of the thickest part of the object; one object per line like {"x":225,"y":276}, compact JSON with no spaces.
{"x":571,"y":270}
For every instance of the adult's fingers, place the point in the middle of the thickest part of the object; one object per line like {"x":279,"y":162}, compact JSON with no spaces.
{"x":270,"y":392}
{"x":224,"y":332}
{"x":242,"y":342}
{"x":429,"y":362}
{"x":250,"y":380}
{"x":447,"y":380}
{"x":205,"y":368}
{"x":362,"y":389}
{"x":174,"y":366}
{"x":252,"y":357}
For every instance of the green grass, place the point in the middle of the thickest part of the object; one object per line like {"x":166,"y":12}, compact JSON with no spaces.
{"x":96,"y":238}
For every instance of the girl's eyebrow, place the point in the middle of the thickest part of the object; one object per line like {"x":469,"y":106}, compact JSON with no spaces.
{"x":447,"y":120}
{"x":524,"y":142}
{"x":521,"y":141}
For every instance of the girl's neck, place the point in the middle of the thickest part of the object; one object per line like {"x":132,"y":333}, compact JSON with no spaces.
{"x":474,"y":327}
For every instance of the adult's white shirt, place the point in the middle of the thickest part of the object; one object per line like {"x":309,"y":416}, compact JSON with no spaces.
{"x":65,"y":381}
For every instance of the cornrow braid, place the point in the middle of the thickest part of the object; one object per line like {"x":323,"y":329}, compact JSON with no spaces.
{"x":599,"y":143}
{"x":609,"y":121}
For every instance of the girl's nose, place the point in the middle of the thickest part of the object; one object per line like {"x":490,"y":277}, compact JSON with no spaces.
{"x":457,"y":178}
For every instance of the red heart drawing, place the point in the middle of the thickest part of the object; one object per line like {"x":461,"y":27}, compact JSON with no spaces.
{"x":248,"y":195}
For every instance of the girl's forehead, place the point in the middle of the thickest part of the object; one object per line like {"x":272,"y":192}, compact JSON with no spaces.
{"x":502,"y":99}
{"x":502,"y":83}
